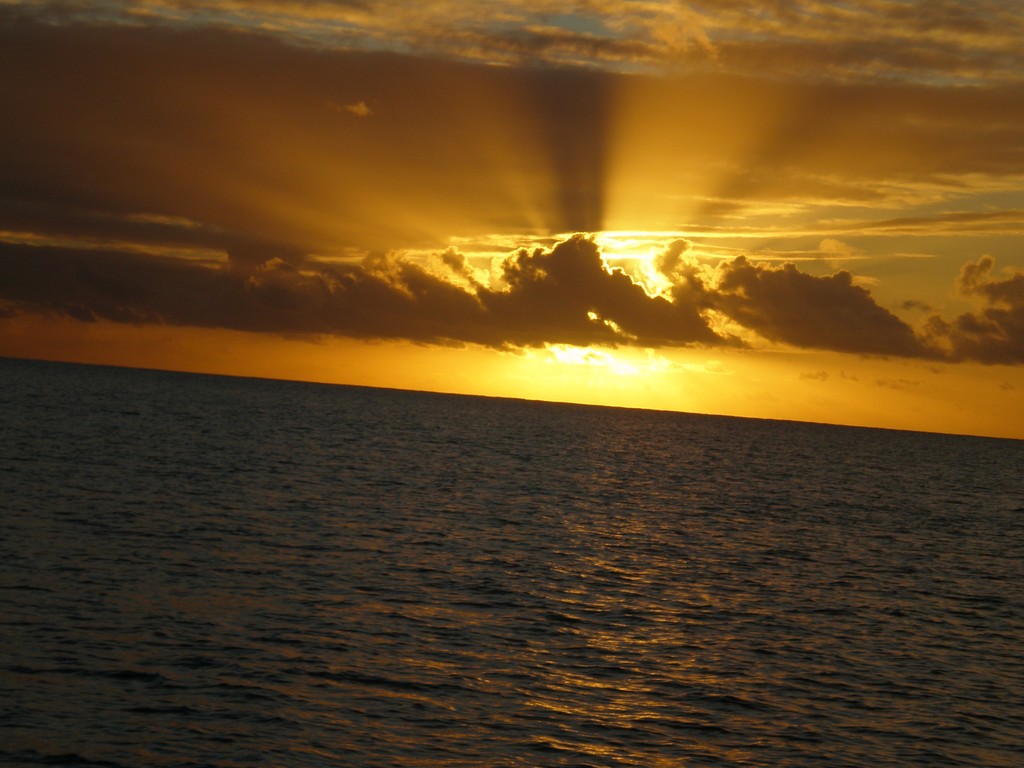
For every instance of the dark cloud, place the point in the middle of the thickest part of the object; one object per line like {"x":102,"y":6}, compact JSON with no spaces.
{"x":670,"y":261}
{"x":995,"y":334}
{"x":975,"y":279}
{"x":816,"y":376}
{"x":786,"y":305}
{"x":253,"y":294}
{"x":564,"y":295}
{"x":568,"y":290}
{"x":897,"y":383}
{"x":916,"y":305}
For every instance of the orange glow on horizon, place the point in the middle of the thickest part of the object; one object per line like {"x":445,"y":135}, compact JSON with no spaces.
{"x":789,"y":386}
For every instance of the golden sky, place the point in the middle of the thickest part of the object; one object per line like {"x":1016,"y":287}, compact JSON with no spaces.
{"x":790,"y":209}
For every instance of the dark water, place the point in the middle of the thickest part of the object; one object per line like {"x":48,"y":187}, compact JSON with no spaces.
{"x":203,"y":571}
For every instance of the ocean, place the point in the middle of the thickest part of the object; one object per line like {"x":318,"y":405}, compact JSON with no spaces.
{"x":210,"y":571}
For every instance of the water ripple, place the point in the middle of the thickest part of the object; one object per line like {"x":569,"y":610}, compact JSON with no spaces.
{"x":213,"y":572}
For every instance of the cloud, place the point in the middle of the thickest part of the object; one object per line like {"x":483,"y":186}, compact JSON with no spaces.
{"x":958,"y":42}
{"x":962,"y":222}
{"x":816,"y":376}
{"x":567,"y":291}
{"x":562,"y":295}
{"x":359,"y":109}
{"x":566,"y":294}
{"x":898,"y":384}
{"x":836,"y":249}
{"x":994,"y":334}
{"x":587,"y":32}
{"x":786,"y":305}
{"x":937,"y":41}
{"x":387,"y":299}
{"x":670,"y":262}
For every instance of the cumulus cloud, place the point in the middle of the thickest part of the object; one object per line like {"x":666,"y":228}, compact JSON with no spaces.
{"x":570,"y":291}
{"x":670,"y":262}
{"x":995,"y":333}
{"x":562,"y":295}
{"x":566,"y":294}
{"x":786,"y":305}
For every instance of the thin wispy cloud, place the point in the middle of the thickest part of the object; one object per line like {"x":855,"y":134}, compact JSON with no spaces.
{"x":928,"y":42}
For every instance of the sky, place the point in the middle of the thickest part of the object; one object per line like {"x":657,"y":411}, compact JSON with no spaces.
{"x":777,"y":209}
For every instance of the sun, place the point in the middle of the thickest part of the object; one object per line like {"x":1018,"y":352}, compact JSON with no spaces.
{"x":564,"y":354}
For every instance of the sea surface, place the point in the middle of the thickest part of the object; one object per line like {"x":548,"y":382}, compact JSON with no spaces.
{"x":209,"y":571}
